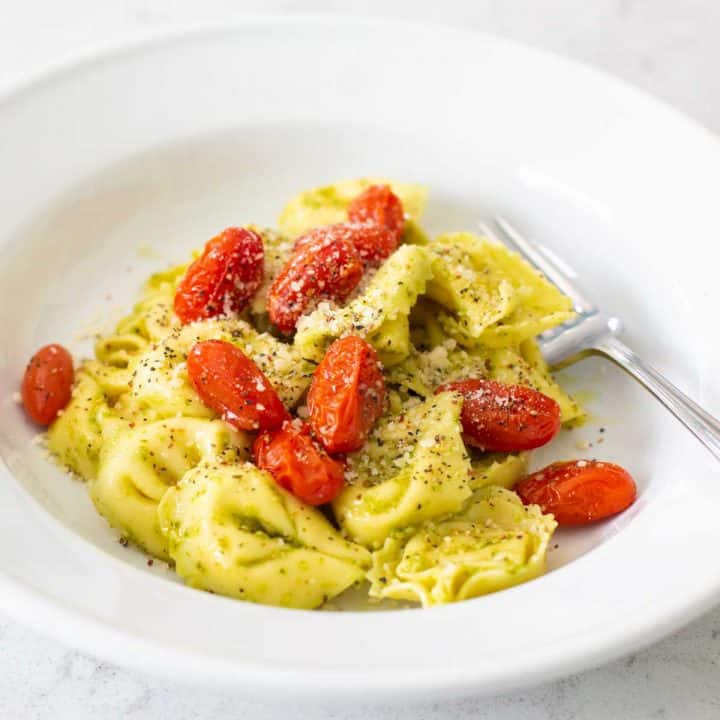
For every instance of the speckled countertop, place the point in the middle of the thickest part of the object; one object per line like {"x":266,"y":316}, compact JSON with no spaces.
{"x":670,"y":48}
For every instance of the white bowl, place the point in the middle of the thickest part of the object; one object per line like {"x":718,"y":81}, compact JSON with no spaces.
{"x":114,"y":165}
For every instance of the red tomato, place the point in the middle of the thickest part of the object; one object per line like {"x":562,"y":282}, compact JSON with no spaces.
{"x":324,"y":266}
{"x":347,"y":395}
{"x":378,"y":205}
{"x":299,"y":464}
{"x":47,"y":384}
{"x":505,"y":418}
{"x":579,"y":491}
{"x":372,"y":243}
{"x":232,"y":385}
{"x":224,"y":278}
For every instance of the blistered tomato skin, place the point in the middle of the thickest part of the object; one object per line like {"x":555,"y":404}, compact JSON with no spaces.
{"x":47,"y":383}
{"x":373,"y":243}
{"x":233,"y":386}
{"x":378,"y":205}
{"x":580,"y":491}
{"x":299,"y":464}
{"x":347,"y":395}
{"x":224,"y":279}
{"x":505,"y":418}
{"x":322,"y":266}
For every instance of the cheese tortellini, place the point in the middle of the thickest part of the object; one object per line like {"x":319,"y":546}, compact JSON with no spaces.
{"x":76,"y":437}
{"x":233,"y":531}
{"x":494,"y":543}
{"x":139,"y":464}
{"x":499,"y":469}
{"x":421,"y":517}
{"x":493,"y":297}
{"x":414,"y":467}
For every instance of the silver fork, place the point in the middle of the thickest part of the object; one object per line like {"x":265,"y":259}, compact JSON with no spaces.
{"x":594,"y":332}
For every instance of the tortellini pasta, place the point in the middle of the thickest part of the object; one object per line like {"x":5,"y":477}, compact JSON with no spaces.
{"x":500,"y":469}
{"x":494,"y":543}
{"x":118,"y":350}
{"x":113,"y":381}
{"x":420,"y":517}
{"x":414,"y":467}
{"x":493,"y":296}
{"x":233,"y":531}
{"x":140,"y":463}
{"x":76,"y":437}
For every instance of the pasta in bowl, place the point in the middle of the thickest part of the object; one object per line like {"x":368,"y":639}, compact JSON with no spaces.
{"x":344,"y":399}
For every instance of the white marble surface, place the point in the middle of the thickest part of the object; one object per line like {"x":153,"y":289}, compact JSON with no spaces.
{"x":668,"y":47}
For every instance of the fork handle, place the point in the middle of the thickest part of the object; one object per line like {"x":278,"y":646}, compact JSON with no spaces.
{"x":699,"y":422}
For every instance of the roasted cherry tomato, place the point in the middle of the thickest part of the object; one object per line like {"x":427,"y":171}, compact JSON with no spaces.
{"x":47,"y":384}
{"x":224,"y":278}
{"x":373,"y":243}
{"x":324,"y":266}
{"x":579,"y":491}
{"x":379,"y":205}
{"x":347,"y":395}
{"x":505,"y":418}
{"x":299,"y":464}
{"x":232,"y":385}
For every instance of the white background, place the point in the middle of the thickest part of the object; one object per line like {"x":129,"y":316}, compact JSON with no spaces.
{"x":670,"y":48}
